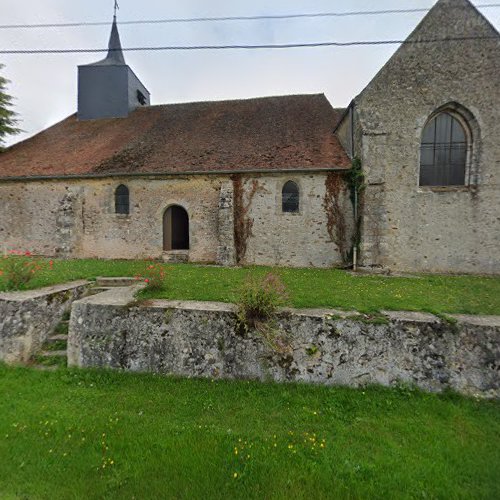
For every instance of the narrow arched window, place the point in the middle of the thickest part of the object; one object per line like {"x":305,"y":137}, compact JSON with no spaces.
{"x":290,"y":197}
{"x":122,"y":202}
{"x":443,"y":151}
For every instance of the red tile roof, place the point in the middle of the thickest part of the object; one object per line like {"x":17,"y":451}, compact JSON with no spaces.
{"x":271,"y":133}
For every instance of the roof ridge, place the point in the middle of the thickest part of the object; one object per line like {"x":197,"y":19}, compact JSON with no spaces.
{"x":242,"y":99}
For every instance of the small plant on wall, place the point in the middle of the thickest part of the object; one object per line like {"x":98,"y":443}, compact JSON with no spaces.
{"x":259,"y":300}
{"x":18,"y":269}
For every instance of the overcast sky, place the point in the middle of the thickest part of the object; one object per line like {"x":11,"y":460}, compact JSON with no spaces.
{"x":45,"y":86}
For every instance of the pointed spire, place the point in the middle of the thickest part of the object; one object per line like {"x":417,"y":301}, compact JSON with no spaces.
{"x":115,"y":53}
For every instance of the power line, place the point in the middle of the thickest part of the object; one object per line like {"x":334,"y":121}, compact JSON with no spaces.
{"x":253,"y":47}
{"x":235,"y":18}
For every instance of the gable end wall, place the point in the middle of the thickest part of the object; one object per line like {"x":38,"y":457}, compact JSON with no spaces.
{"x":412,"y":228}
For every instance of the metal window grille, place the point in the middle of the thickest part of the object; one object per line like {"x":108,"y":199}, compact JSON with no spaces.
{"x":122,"y":200}
{"x":290,"y":197}
{"x":443,"y":152}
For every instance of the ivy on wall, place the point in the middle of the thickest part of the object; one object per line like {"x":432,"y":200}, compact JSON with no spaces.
{"x":336,"y":183}
{"x":242,"y":222}
{"x":335,"y":216}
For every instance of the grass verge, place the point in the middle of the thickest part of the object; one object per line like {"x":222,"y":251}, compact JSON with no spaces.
{"x":94,"y":434}
{"x":330,"y":288}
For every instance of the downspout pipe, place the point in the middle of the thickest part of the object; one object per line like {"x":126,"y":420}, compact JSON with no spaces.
{"x":355,"y":246}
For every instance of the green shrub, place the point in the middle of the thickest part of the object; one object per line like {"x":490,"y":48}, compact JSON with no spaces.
{"x":259,"y":299}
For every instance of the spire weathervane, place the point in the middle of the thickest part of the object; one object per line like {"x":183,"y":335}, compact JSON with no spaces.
{"x":117,"y":7}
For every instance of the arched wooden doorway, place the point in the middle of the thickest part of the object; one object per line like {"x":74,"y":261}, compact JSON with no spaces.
{"x":175,"y":229}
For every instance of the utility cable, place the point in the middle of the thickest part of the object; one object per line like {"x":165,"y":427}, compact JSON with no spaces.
{"x":310,"y":15}
{"x":253,"y":47}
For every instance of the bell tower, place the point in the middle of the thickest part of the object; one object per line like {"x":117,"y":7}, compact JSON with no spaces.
{"x":109,"y":88}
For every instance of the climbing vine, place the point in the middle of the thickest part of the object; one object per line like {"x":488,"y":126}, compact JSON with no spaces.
{"x":336,"y":222}
{"x":356,"y":177}
{"x":335,"y":217}
{"x":242,"y":222}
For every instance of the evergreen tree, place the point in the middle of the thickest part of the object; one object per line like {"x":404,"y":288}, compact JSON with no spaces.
{"x":8,"y":119}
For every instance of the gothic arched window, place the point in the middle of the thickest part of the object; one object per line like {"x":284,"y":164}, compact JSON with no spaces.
{"x":290,"y":197}
{"x":122,"y":201}
{"x":443,"y":151}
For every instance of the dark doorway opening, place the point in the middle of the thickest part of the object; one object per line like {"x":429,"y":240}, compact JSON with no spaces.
{"x":175,"y":229}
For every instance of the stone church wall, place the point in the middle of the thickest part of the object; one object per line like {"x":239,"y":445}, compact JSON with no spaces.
{"x":407,"y":227}
{"x":76,"y":218}
{"x":294,"y":239}
{"x":140,"y":234}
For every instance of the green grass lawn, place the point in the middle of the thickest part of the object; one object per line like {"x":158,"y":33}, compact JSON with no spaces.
{"x":90,"y":434}
{"x":332,"y":288}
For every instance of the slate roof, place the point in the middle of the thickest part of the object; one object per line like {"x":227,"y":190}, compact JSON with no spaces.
{"x":271,"y":133}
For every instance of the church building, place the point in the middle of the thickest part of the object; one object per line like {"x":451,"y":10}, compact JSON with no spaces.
{"x":268,"y":181}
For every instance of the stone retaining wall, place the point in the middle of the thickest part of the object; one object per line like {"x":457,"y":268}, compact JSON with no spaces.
{"x":28,"y":318}
{"x":201,"y":339}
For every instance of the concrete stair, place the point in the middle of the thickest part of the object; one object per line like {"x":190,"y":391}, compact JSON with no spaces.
{"x":107,"y":283}
{"x":57,"y":338}
{"x":54,"y":352}
{"x":98,"y":289}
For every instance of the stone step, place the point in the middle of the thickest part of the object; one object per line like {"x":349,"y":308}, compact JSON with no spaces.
{"x":57,"y":338}
{"x":100,"y":289}
{"x":104,"y":281}
{"x":44,"y":368}
{"x":53,"y":354}
{"x":176,"y":256}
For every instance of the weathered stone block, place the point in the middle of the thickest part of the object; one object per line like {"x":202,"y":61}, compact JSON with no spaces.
{"x":28,"y":318}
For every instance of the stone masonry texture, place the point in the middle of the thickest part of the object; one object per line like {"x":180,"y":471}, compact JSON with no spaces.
{"x":28,"y":318}
{"x":77,"y":219}
{"x":412,"y":228}
{"x":197,"y":339}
